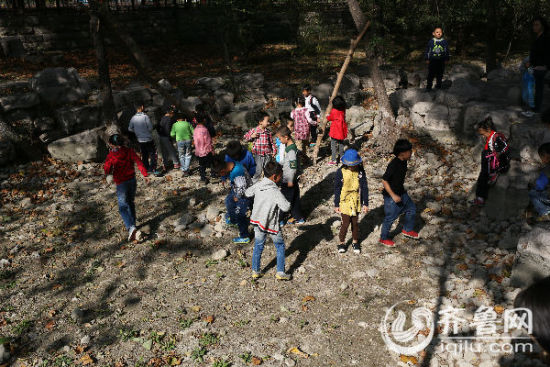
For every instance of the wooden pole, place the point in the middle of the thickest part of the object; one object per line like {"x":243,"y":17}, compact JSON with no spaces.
{"x":349,"y":56}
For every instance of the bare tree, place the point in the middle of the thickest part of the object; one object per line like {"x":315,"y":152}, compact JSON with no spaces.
{"x":388,"y":132}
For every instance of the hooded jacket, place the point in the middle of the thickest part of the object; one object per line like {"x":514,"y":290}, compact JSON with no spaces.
{"x":141,"y":126}
{"x":268,"y":202}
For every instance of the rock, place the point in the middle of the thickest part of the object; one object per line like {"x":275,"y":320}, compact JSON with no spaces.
{"x":27,"y":100}
{"x":86,"y":146}
{"x":223,"y":101}
{"x":77,"y":119}
{"x":278,"y":357}
{"x":211,"y":83}
{"x":323,"y":92}
{"x":220,"y":254}
{"x":184,"y":220}
{"x":44,"y":124}
{"x":180,"y":228}
{"x":146,"y":229}
{"x":78,"y":315}
{"x":12,"y":46}
{"x":4,"y":263}
{"x":409,"y":97}
{"x":465,"y":71}
{"x":206,"y":231}
{"x":250,"y":81}
{"x":359,"y":120}
{"x":434,"y":206}
{"x":371,"y":273}
{"x":190,"y":103}
{"x":436,"y":120}
{"x":26,"y":203}
{"x":212,"y":212}
{"x":461,"y":92}
{"x":109,"y":179}
{"x":242,"y":119}
{"x":501,"y":74}
{"x":164,"y":84}
{"x":4,"y":354}
{"x":289,"y":362}
{"x":358,"y":274}
{"x":532,"y":258}
{"x":85,"y":340}
{"x":58,"y":86}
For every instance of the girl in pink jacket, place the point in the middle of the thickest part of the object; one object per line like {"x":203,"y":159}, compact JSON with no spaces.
{"x":203,"y":149}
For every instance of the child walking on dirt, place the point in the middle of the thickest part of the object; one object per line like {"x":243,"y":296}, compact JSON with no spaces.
{"x":338,"y":129}
{"x":351,"y":196}
{"x":437,"y":54}
{"x":120,"y":163}
{"x":302,"y":122}
{"x":182,"y":130}
{"x":314,"y":108}
{"x":203,"y":149}
{"x":291,"y":170}
{"x":495,"y":159}
{"x":264,"y":148}
{"x":236,"y":202}
{"x":396,"y":199}
{"x":268,"y":203}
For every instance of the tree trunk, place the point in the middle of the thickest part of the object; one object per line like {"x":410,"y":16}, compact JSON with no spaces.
{"x":388,"y":132}
{"x":491,"y":57}
{"x":341,"y":74}
{"x":97,"y":31}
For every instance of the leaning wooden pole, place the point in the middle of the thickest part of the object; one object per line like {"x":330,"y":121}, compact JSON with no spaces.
{"x":349,"y":56}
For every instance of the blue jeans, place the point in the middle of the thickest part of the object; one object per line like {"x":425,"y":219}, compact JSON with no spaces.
{"x":237,"y":213}
{"x":126,"y":193}
{"x":540,"y":201}
{"x":259,"y":242}
{"x":184,"y":152}
{"x":393,"y":210}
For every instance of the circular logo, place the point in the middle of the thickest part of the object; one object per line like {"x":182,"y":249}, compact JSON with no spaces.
{"x":403,"y":341}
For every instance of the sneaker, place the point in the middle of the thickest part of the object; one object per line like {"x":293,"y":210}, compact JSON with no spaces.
{"x":157,"y":173}
{"x":411,"y":234}
{"x":256,"y":274}
{"x":388,"y":243}
{"x":356,"y":248}
{"x":300,"y":221}
{"x":477,"y":202}
{"x":132,"y":234}
{"x":311,"y":145}
{"x":139,"y":236}
{"x":331,"y":163}
{"x":528,"y":114}
{"x":282,"y":276}
{"x":543,"y":218}
{"x":341,"y":249}
{"x":282,"y":223}
{"x":228,"y":222}
{"x":241,"y":240}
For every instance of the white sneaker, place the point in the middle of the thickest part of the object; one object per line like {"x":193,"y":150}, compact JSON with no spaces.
{"x":528,"y":114}
{"x":139,"y":236}
{"x":132,"y":234}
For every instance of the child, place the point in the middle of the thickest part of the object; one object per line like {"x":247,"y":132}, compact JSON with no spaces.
{"x":141,"y":126}
{"x":538,"y":194}
{"x":120,"y":163}
{"x":280,"y":157}
{"x":264,"y":147}
{"x":236,"y":153}
{"x":338,"y":129}
{"x":183,"y":132}
{"x":314,"y":108}
{"x":495,"y":159}
{"x":302,"y":121}
{"x":437,"y":54}
{"x":396,"y":199}
{"x":268,"y":202}
{"x":236,"y":202}
{"x":290,"y":187}
{"x":351,"y":196}
{"x":164,"y":129}
{"x":203,"y":148}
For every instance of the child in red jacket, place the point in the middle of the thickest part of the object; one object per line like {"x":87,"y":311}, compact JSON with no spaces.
{"x":120,"y":163}
{"x":338,"y":128}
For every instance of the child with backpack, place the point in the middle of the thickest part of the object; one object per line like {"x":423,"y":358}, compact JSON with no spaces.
{"x":338,"y":129}
{"x":203,"y":149}
{"x":437,"y":54}
{"x":268,"y":203}
{"x":236,"y":202}
{"x":396,"y":199}
{"x":264,"y":148}
{"x":495,"y":159}
{"x":302,"y":122}
{"x":291,"y":168}
{"x":120,"y":163}
{"x":351,"y":197}
{"x":314,"y":108}
{"x":182,"y":130}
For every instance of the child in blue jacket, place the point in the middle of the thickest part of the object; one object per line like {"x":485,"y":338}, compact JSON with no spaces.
{"x":437,"y":54}
{"x":539,"y":193}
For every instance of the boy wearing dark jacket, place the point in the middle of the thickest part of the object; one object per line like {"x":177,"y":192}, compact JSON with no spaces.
{"x":437,"y":54}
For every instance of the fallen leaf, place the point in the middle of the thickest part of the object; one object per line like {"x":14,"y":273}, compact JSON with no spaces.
{"x":256,"y":361}
{"x":499,"y":309}
{"x":308,"y":299}
{"x":50,"y":324}
{"x":86,"y":359}
{"x":408,"y":359}
{"x":79,"y":349}
{"x":298,"y":352}
{"x":209,"y":319}
{"x":196,"y":308}
{"x":304,"y":308}
{"x":462,"y":267}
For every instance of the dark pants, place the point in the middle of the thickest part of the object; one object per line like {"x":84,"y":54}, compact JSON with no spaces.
{"x":292,"y":195}
{"x":313,"y":131}
{"x":346,"y":220}
{"x":204,"y":163}
{"x":149,"y":155}
{"x":436,"y":68}
{"x":237,"y":213}
{"x":482,"y":187}
{"x":539,"y":88}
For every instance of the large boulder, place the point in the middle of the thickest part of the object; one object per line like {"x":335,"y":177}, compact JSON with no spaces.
{"x":359,"y":120}
{"x":465,"y":71}
{"x":211,"y":84}
{"x":132,"y":97}
{"x":461,"y":92}
{"x":436,"y":120}
{"x":87,"y":146}
{"x":18,"y":101}
{"x":59,"y":86}
{"x":323,"y":92}
{"x":477,"y":111}
{"x":12,"y":46}
{"x":223,"y":101}
{"x":409,"y":97}
{"x":76,"y":119}
{"x":249,"y":81}
{"x":532,"y":257}
{"x":526,"y":139}
{"x":190,"y":103}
